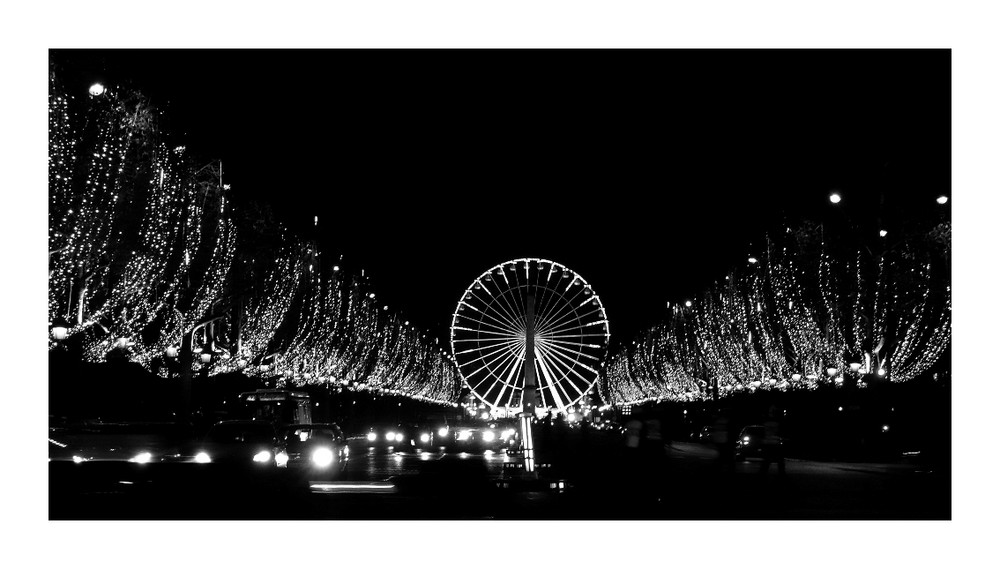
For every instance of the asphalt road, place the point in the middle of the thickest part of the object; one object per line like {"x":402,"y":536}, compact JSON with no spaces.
{"x":598,"y":480}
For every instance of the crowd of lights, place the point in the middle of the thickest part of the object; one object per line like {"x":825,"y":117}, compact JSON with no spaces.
{"x":144,"y":248}
{"x":796,"y":317}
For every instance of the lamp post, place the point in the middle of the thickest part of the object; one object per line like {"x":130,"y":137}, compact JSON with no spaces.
{"x":528,"y":395}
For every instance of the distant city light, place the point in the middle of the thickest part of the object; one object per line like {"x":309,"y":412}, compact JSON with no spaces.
{"x":834,"y":198}
{"x":942,"y":200}
{"x":882,"y":233}
{"x":96,"y":90}
{"x":752,"y":260}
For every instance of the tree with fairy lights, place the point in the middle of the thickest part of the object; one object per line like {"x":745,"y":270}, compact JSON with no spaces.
{"x":809,"y":312}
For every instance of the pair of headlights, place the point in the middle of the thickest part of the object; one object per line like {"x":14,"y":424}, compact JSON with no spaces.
{"x":321,"y":457}
{"x":204,"y":458}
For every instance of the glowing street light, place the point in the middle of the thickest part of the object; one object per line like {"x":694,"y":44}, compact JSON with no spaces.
{"x":752,"y":260}
{"x":688,"y":304}
{"x":882,"y":233}
{"x":834,"y":198}
{"x":942,"y":200}
{"x":96,"y":90}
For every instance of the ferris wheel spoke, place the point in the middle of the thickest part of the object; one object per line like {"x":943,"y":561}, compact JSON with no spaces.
{"x":501,"y":362}
{"x":551,"y":384}
{"x":570,"y":311}
{"x":480,"y":331}
{"x":559,"y":384}
{"x":495,"y":327}
{"x":568,"y":348}
{"x":491,"y":306}
{"x":545,"y":312}
{"x":577,"y":314}
{"x":501,"y":307}
{"x":571,"y":365}
{"x":504,"y":348}
{"x":503,"y":342}
{"x":567,"y":310}
{"x":510,"y":378}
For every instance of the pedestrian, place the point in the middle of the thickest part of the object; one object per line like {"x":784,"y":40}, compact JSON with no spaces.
{"x":771,"y":448}
{"x":722,"y":441}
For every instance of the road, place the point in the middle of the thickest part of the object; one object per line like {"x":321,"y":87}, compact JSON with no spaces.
{"x":593,"y":481}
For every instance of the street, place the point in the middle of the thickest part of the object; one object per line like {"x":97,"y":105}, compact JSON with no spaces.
{"x":592,"y":482}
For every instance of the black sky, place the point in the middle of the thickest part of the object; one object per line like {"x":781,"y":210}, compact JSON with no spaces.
{"x":650,"y":173}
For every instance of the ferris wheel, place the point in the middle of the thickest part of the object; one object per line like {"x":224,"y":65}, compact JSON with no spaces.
{"x":489,"y":334}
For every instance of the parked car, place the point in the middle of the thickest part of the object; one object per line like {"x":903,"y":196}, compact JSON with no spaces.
{"x":125,"y":441}
{"x":238,"y":442}
{"x":316,"y":448}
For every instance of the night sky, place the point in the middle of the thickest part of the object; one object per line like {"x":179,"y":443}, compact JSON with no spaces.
{"x":650,"y":173}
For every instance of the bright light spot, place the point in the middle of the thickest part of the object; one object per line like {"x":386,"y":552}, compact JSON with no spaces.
{"x":96,"y":90}
{"x":59,"y":332}
{"x":399,"y":437}
{"x":390,"y":436}
{"x":834,"y":198}
{"x":882,"y":233}
{"x":881,"y":371}
{"x":425,"y":438}
{"x":840,"y":408}
{"x":281,"y":459}
{"x":855,"y":366}
{"x":372,"y":437}
{"x":443,"y":432}
{"x":141,"y":458}
{"x":489,"y":436}
{"x":488,"y":453}
{"x":942,"y":200}
{"x":752,"y":260}
{"x":262,"y":456}
{"x":485,"y":415}
{"x":322,"y":457}
{"x":78,"y":459}
{"x":688,"y":304}
{"x":885,"y":428}
{"x":464,"y":435}
{"x":746,"y":439}
{"x":831,"y":371}
{"x":202,"y":458}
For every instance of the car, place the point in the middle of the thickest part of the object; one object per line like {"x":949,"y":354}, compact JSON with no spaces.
{"x":315,"y":448}
{"x":477,"y":438}
{"x":407,"y":436}
{"x":250,"y":443}
{"x":750,"y":442}
{"x":118,"y":441}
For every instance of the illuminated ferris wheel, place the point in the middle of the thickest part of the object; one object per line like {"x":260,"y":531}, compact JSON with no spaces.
{"x":489,"y":334}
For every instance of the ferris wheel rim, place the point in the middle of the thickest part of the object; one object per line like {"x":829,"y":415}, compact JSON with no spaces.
{"x":558,"y":365}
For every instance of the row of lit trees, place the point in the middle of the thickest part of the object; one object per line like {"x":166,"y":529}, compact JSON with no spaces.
{"x":804,"y":313}
{"x":149,"y":261}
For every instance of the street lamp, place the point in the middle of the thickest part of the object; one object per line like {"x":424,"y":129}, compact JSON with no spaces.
{"x":96,"y":90}
{"x":882,"y":233}
{"x":206,"y":357}
{"x":171,"y":352}
{"x":942,"y":200}
{"x":834,"y":198}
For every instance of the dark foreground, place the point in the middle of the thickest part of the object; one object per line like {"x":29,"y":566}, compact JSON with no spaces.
{"x":598,"y":481}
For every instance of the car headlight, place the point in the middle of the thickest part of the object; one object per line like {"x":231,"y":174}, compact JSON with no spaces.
{"x":202,"y":458}
{"x":399,"y":437}
{"x":372,"y":437}
{"x":463,"y":435}
{"x":390,"y":436}
{"x":443,"y":432}
{"x":281,"y":459}
{"x":746,"y":439}
{"x":141,"y":458}
{"x":488,"y":436}
{"x":322,"y":457}
{"x":78,"y":459}
{"x":262,"y":456}
{"x":425,"y":438}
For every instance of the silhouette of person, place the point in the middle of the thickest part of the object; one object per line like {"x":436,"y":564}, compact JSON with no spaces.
{"x":771,"y":449}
